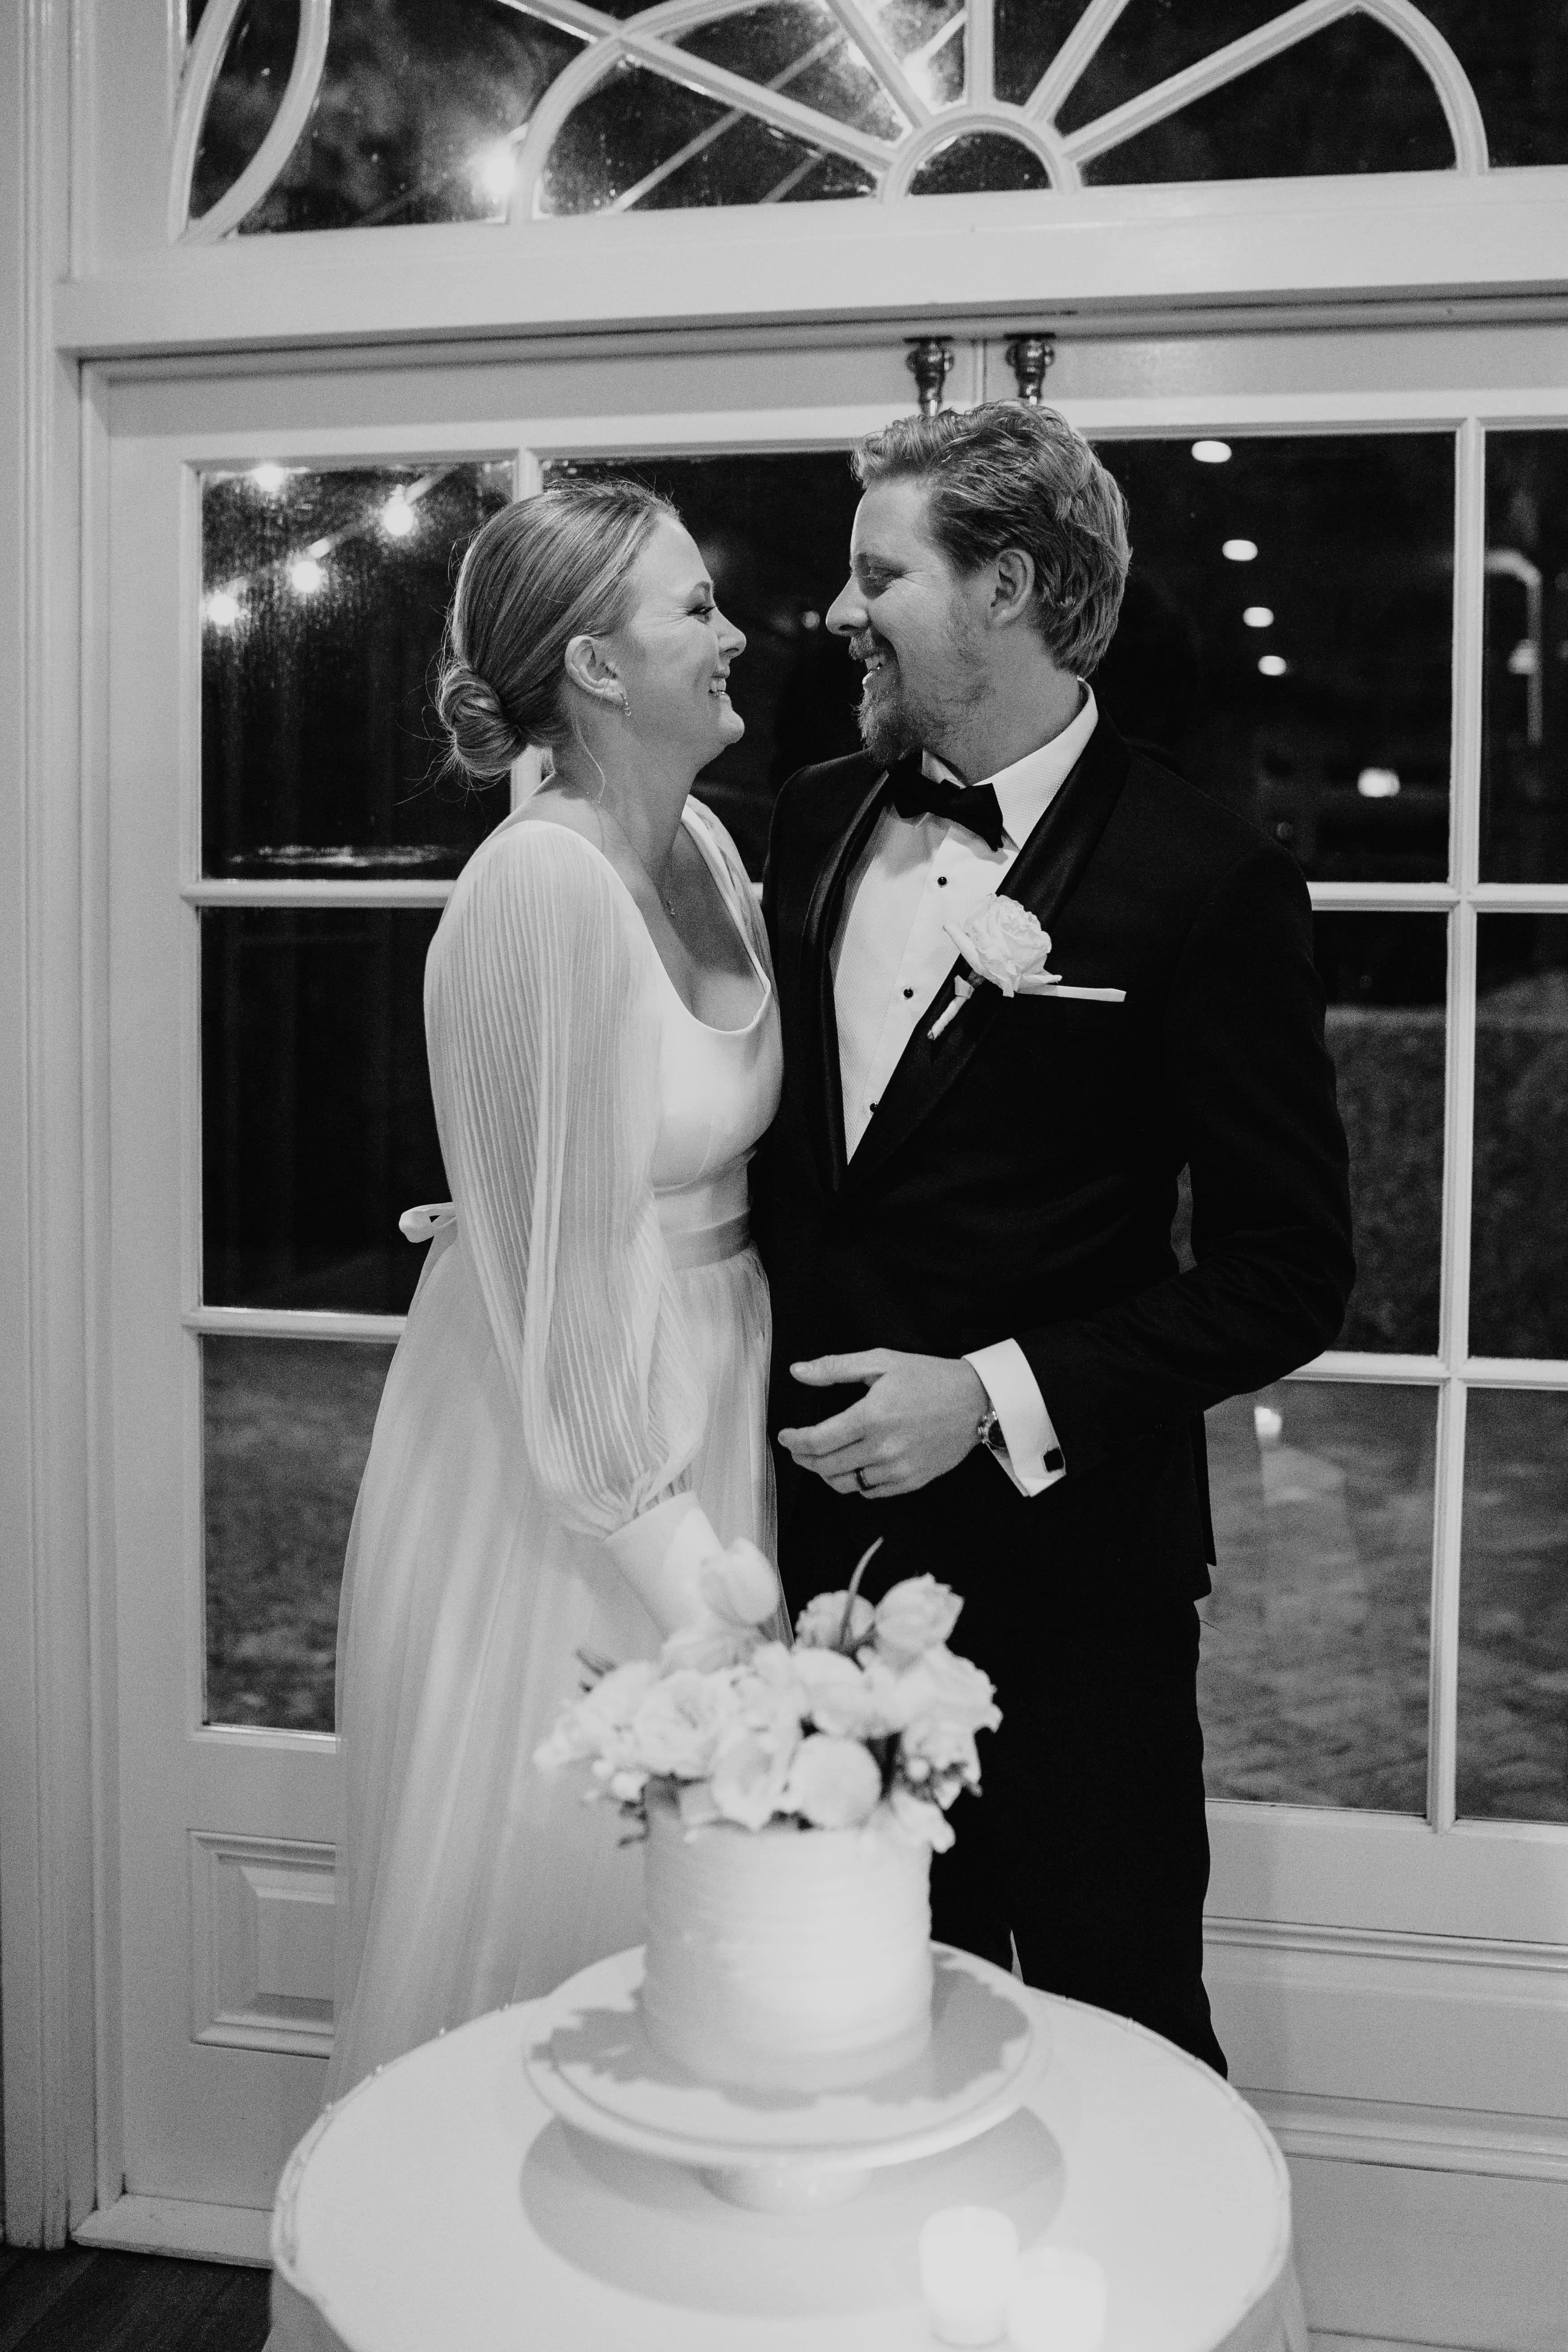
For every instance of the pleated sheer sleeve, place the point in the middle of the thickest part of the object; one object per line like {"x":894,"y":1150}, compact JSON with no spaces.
{"x":542,"y":1023}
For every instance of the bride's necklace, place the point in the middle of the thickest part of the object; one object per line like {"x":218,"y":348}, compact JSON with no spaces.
{"x":666,"y":898}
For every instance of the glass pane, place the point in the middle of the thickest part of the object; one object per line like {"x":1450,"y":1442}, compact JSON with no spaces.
{"x":1313,"y":1682}
{"x":1513,"y":1609}
{"x":928,"y":38}
{"x":1517,"y":61}
{"x":247,"y":94}
{"x":325,"y":598}
{"x":1518,"y":1235}
{"x":1386,"y":979}
{"x":801,"y":49}
{"x":421,"y":105}
{"x":640,"y":143}
{"x":317,"y":1125}
{"x":1027,"y":34}
{"x":286,"y":1429}
{"x":1524,"y":749}
{"x":774,"y":532}
{"x":1285,"y":639}
{"x":1350,"y":98}
{"x":981,"y":161}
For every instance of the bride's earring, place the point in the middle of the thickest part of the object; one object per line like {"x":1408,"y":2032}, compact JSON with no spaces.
{"x":623,"y":703}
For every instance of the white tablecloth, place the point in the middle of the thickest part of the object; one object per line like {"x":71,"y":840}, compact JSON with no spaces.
{"x":441,"y":2208}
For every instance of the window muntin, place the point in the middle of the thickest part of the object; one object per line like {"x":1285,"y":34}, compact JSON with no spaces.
{"x":461,"y":109}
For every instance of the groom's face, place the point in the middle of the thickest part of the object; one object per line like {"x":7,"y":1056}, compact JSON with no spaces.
{"x":908,"y":616}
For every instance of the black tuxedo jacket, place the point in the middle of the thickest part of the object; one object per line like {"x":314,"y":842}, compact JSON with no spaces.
{"x":1020,"y":1178}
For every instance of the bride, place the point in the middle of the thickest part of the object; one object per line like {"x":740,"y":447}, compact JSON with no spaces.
{"x":577,"y":1403}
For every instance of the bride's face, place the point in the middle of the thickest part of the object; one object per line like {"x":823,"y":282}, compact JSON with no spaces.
{"x":672,"y":654}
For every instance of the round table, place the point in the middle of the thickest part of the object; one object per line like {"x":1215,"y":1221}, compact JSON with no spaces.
{"x":442,"y":2204}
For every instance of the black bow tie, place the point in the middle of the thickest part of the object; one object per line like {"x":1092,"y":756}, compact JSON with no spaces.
{"x":975,"y":806}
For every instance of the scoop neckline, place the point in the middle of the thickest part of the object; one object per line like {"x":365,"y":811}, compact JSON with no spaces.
{"x":520,"y":818}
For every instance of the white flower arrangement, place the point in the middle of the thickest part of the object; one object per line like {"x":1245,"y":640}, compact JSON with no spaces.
{"x":870,"y":1712}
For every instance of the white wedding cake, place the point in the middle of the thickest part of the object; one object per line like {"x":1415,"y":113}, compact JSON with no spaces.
{"x":786,"y":1958}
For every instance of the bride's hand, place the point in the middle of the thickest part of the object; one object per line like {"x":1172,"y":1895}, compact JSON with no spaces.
{"x":916,"y":1421}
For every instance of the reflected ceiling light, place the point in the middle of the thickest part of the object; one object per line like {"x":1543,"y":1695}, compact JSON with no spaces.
{"x":1524,"y":661}
{"x":1258,"y":617}
{"x":1239,"y":551}
{"x":1273,"y":665}
{"x":305,"y":576}
{"x":397,"y":517}
{"x":495,"y":169}
{"x":1377,"y":784}
{"x":811,"y":620}
{"x":223,"y":608}
{"x":1211,"y":453}
{"x":1268,"y":1426}
{"x":270,"y":477}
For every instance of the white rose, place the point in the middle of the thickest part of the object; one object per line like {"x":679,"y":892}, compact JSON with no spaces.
{"x":919,"y":1819}
{"x":599,"y":1723}
{"x":940,"y":1683}
{"x":915,"y":1616}
{"x":840,"y":1700}
{"x":749,"y":1778}
{"x":770,"y":1696}
{"x":679,"y":1726}
{"x":1002,"y":941}
{"x":739,"y":1584}
{"x":938,"y":1745}
{"x":820,"y":1625}
{"x":834,"y":1782}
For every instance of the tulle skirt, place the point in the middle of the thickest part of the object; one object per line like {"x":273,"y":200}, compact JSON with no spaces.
{"x":467,"y":1878}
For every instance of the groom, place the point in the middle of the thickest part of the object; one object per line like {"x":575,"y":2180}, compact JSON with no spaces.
{"x":984,"y":1351}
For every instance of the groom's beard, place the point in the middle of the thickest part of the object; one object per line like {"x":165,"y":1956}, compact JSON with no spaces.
{"x":893,"y":721}
{"x":886,"y":728}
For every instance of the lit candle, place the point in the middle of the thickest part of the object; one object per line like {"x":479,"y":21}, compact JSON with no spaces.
{"x":1056,"y":2301}
{"x":968,"y":2256}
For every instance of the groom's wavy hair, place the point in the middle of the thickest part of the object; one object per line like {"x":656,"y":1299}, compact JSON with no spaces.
{"x":544,"y":569}
{"x":1001,"y":477}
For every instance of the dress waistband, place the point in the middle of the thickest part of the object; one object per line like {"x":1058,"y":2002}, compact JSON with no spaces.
{"x":702,"y":1224}
{"x":706,"y":1222}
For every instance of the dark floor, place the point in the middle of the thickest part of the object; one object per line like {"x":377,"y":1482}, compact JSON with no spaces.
{"x":85,"y":2301}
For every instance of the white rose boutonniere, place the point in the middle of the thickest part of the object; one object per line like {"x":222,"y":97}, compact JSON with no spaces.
{"x":1003,"y":943}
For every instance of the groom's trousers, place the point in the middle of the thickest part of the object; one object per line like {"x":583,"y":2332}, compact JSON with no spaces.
{"x":1088,"y":1847}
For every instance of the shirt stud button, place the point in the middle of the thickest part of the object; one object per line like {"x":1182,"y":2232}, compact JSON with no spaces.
{"x":942,"y":881}
{"x":909,"y":991}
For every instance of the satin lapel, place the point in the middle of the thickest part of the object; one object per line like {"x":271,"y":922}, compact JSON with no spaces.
{"x":1041,"y":877}
{"x":824,"y":1093}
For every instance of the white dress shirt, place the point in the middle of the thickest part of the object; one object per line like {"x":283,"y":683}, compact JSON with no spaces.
{"x":890,"y":957}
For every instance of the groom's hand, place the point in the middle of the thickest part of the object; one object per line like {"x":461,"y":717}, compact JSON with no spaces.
{"x":915,"y":1421}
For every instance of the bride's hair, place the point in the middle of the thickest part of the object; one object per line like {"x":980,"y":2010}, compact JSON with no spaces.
{"x":543,"y":571}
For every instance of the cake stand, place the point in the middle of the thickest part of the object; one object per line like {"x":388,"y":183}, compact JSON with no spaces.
{"x":780,"y":2151}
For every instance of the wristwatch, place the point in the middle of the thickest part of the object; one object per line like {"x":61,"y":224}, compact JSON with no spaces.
{"x":988,"y":1430}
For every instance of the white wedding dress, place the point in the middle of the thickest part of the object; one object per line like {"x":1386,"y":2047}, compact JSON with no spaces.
{"x":589,"y":1335}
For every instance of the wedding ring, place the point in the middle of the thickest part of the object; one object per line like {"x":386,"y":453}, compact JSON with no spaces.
{"x":862,"y":1482}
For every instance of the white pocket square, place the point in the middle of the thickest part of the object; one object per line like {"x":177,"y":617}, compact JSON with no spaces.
{"x":1037,"y":983}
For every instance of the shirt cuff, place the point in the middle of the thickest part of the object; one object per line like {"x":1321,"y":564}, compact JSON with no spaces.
{"x":1034,"y":1460}
{"x":660,"y":1554}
